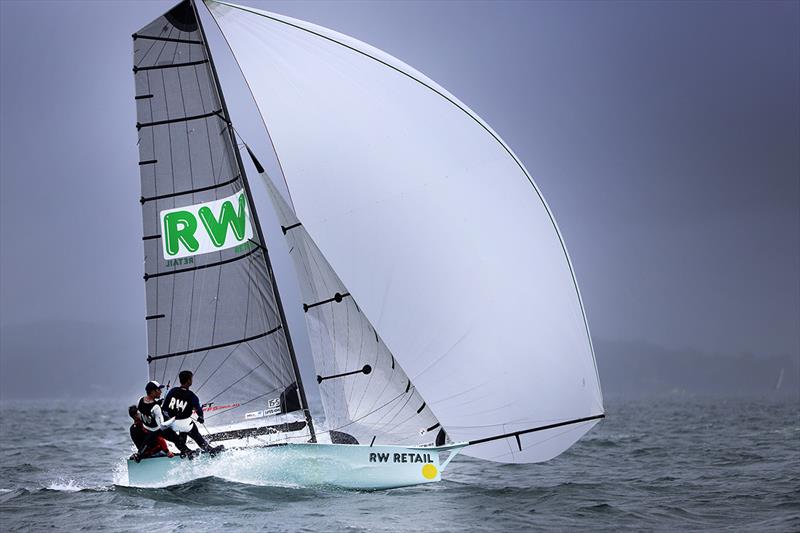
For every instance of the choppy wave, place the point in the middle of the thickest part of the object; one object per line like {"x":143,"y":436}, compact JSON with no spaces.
{"x":664,"y":466}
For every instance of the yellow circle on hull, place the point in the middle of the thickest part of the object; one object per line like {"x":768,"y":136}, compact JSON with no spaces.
{"x":429,"y":471}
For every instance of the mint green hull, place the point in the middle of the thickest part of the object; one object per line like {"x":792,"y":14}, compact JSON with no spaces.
{"x":333,"y":465}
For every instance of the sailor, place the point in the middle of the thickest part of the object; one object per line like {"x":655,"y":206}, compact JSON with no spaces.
{"x":149,"y":408}
{"x":180,"y":403}
{"x":139,"y":434}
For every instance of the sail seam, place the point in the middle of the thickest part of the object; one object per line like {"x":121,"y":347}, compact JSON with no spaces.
{"x":171,"y":65}
{"x":214,"y":346}
{"x":140,"y":125}
{"x":217,"y":263}
{"x":167,"y":39}
{"x":142,"y":200}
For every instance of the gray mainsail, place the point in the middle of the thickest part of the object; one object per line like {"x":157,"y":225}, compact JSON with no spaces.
{"x":212,"y":304}
{"x":365,"y":392}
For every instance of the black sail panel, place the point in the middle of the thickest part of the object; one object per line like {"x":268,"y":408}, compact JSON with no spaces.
{"x":212,"y":307}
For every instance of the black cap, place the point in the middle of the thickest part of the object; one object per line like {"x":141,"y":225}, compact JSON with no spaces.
{"x":152,"y":385}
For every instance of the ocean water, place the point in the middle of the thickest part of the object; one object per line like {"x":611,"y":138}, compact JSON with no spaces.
{"x":675,"y":463}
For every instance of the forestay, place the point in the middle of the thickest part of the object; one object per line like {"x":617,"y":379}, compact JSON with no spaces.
{"x":211,"y":307}
{"x":365,"y":392}
{"x":435,"y":228}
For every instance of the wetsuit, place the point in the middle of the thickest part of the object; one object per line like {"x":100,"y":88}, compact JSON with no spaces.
{"x":180,"y":403}
{"x":156,"y":426}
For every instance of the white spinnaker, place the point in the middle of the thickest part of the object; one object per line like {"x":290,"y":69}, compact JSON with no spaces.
{"x":434,"y":226}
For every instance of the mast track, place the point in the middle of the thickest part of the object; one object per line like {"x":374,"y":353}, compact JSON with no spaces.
{"x":213,"y":346}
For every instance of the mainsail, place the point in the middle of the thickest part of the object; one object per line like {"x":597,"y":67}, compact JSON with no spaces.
{"x":435,"y":228}
{"x":365,"y":392}
{"x":212,"y":305}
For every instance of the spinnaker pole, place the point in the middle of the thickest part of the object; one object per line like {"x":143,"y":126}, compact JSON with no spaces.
{"x":300,"y":389}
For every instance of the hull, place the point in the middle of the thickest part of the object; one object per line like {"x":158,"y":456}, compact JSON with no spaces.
{"x":307,"y":465}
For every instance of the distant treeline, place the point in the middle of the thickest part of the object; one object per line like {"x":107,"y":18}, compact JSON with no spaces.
{"x":641,"y":369}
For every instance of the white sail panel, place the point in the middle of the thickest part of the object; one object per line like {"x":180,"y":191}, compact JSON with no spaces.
{"x":365,"y":392}
{"x":434,"y":226}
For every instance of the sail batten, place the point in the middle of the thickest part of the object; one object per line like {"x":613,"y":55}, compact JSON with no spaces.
{"x":434,"y":227}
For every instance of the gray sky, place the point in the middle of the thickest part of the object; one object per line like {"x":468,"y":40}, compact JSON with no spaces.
{"x":664,"y":136}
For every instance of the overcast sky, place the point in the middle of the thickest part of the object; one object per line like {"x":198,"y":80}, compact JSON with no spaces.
{"x":664,"y":136}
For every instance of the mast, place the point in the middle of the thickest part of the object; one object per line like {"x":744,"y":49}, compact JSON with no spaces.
{"x":300,"y":389}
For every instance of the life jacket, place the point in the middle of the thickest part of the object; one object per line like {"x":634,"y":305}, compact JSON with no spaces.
{"x":146,"y":412}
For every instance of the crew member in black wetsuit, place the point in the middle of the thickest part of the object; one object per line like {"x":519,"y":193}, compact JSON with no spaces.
{"x":180,"y":403}
{"x":149,"y":408}
{"x":139,"y":434}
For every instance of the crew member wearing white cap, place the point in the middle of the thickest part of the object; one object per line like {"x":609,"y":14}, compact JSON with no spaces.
{"x":149,"y":408}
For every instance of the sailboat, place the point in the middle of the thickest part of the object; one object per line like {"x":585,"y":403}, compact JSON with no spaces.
{"x":441,"y":306}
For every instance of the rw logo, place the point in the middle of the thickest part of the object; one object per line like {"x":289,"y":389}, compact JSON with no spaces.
{"x":203,"y":228}
{"x":176,"y":405}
